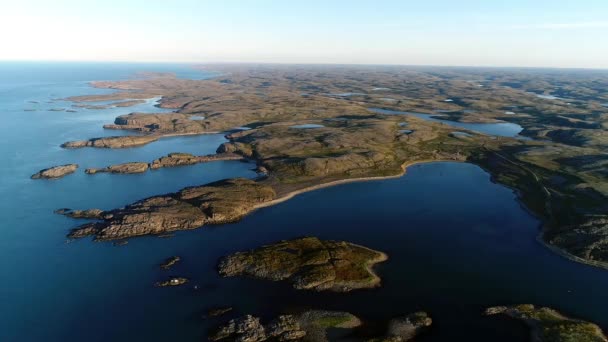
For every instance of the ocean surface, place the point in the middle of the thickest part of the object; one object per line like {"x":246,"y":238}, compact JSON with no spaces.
{"x":457,"y":242}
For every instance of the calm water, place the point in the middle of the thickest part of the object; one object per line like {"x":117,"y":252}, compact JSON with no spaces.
{"x":457,"y":242}
{"x":502,"y":129}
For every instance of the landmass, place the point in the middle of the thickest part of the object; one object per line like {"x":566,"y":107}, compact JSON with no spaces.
{"x":308,"y":264}
{"x":558,"y":171}
{"x":548,"y":325}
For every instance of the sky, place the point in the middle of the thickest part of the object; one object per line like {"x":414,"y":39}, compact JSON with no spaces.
{"x":534,"y":33}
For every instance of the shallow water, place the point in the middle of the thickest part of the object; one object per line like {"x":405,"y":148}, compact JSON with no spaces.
{"x":457,"y":242}
{"x":503,"y":129}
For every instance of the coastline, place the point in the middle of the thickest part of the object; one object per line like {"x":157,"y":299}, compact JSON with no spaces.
{"x":404,"y":166}
{"x":294,"y":193}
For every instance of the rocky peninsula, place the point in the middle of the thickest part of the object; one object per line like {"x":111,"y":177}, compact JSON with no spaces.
{"x":182,"y":159}
{"x":548,"y":325}
{"x":55,"y":171}
{"x":308,"y":264}
{"x":112,"y":142}
{"x":193,"y":207}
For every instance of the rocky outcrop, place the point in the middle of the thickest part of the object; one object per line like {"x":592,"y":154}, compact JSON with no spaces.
{"x":308,"y":264}
{"x":215,"y":203}
{"x":134,"y":167}
{"x":55,"y":171}
{"x":168,"y":123}
{"x":311,"y":325}
{"x":405,"y":328}
{"x":219,"y":311}
{"x":548,"y":325}
{"x":112,"y":142}
{"x":180,"y":159}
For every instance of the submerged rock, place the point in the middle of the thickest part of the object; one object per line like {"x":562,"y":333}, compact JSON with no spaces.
{"x":548,"y":325}
{"x":308,"y":263}
{"x":220,"y":202}
{"x":134,"y":167}
{"x":215,"y":312}
{"x":55,"y":171}
{"x":112,"y":142}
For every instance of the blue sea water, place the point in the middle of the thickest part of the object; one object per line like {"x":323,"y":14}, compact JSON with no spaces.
{"x":457,"y":242}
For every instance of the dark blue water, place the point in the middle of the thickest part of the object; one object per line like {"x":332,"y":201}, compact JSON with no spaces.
{"x":457,"y":242}
{"x":501,"y":129}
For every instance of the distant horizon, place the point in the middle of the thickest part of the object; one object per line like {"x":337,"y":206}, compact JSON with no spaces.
{"x":193,"y":63}
{"x":479,"y":33}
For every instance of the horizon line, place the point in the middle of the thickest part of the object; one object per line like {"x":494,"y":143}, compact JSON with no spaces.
{"x":302,"y":63}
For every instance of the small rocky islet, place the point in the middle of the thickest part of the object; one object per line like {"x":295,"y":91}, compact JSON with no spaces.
{"x":55,"y":172}
{"x":308,"y":264}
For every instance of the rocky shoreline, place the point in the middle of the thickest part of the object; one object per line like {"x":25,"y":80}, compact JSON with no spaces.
{"x":548,"y":325}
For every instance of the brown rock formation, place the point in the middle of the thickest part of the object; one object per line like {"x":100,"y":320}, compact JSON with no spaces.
{"x":219,"y":202}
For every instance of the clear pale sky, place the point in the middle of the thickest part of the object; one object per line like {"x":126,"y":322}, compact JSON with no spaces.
{"x":552,"y":33}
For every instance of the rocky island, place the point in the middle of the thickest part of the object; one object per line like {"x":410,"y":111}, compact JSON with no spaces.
{"x":308,"y":264}
{"x":55,"y":172}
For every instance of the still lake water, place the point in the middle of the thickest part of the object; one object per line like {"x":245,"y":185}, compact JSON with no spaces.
{"x":457,"y":242}
{"x":501,"y":129}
